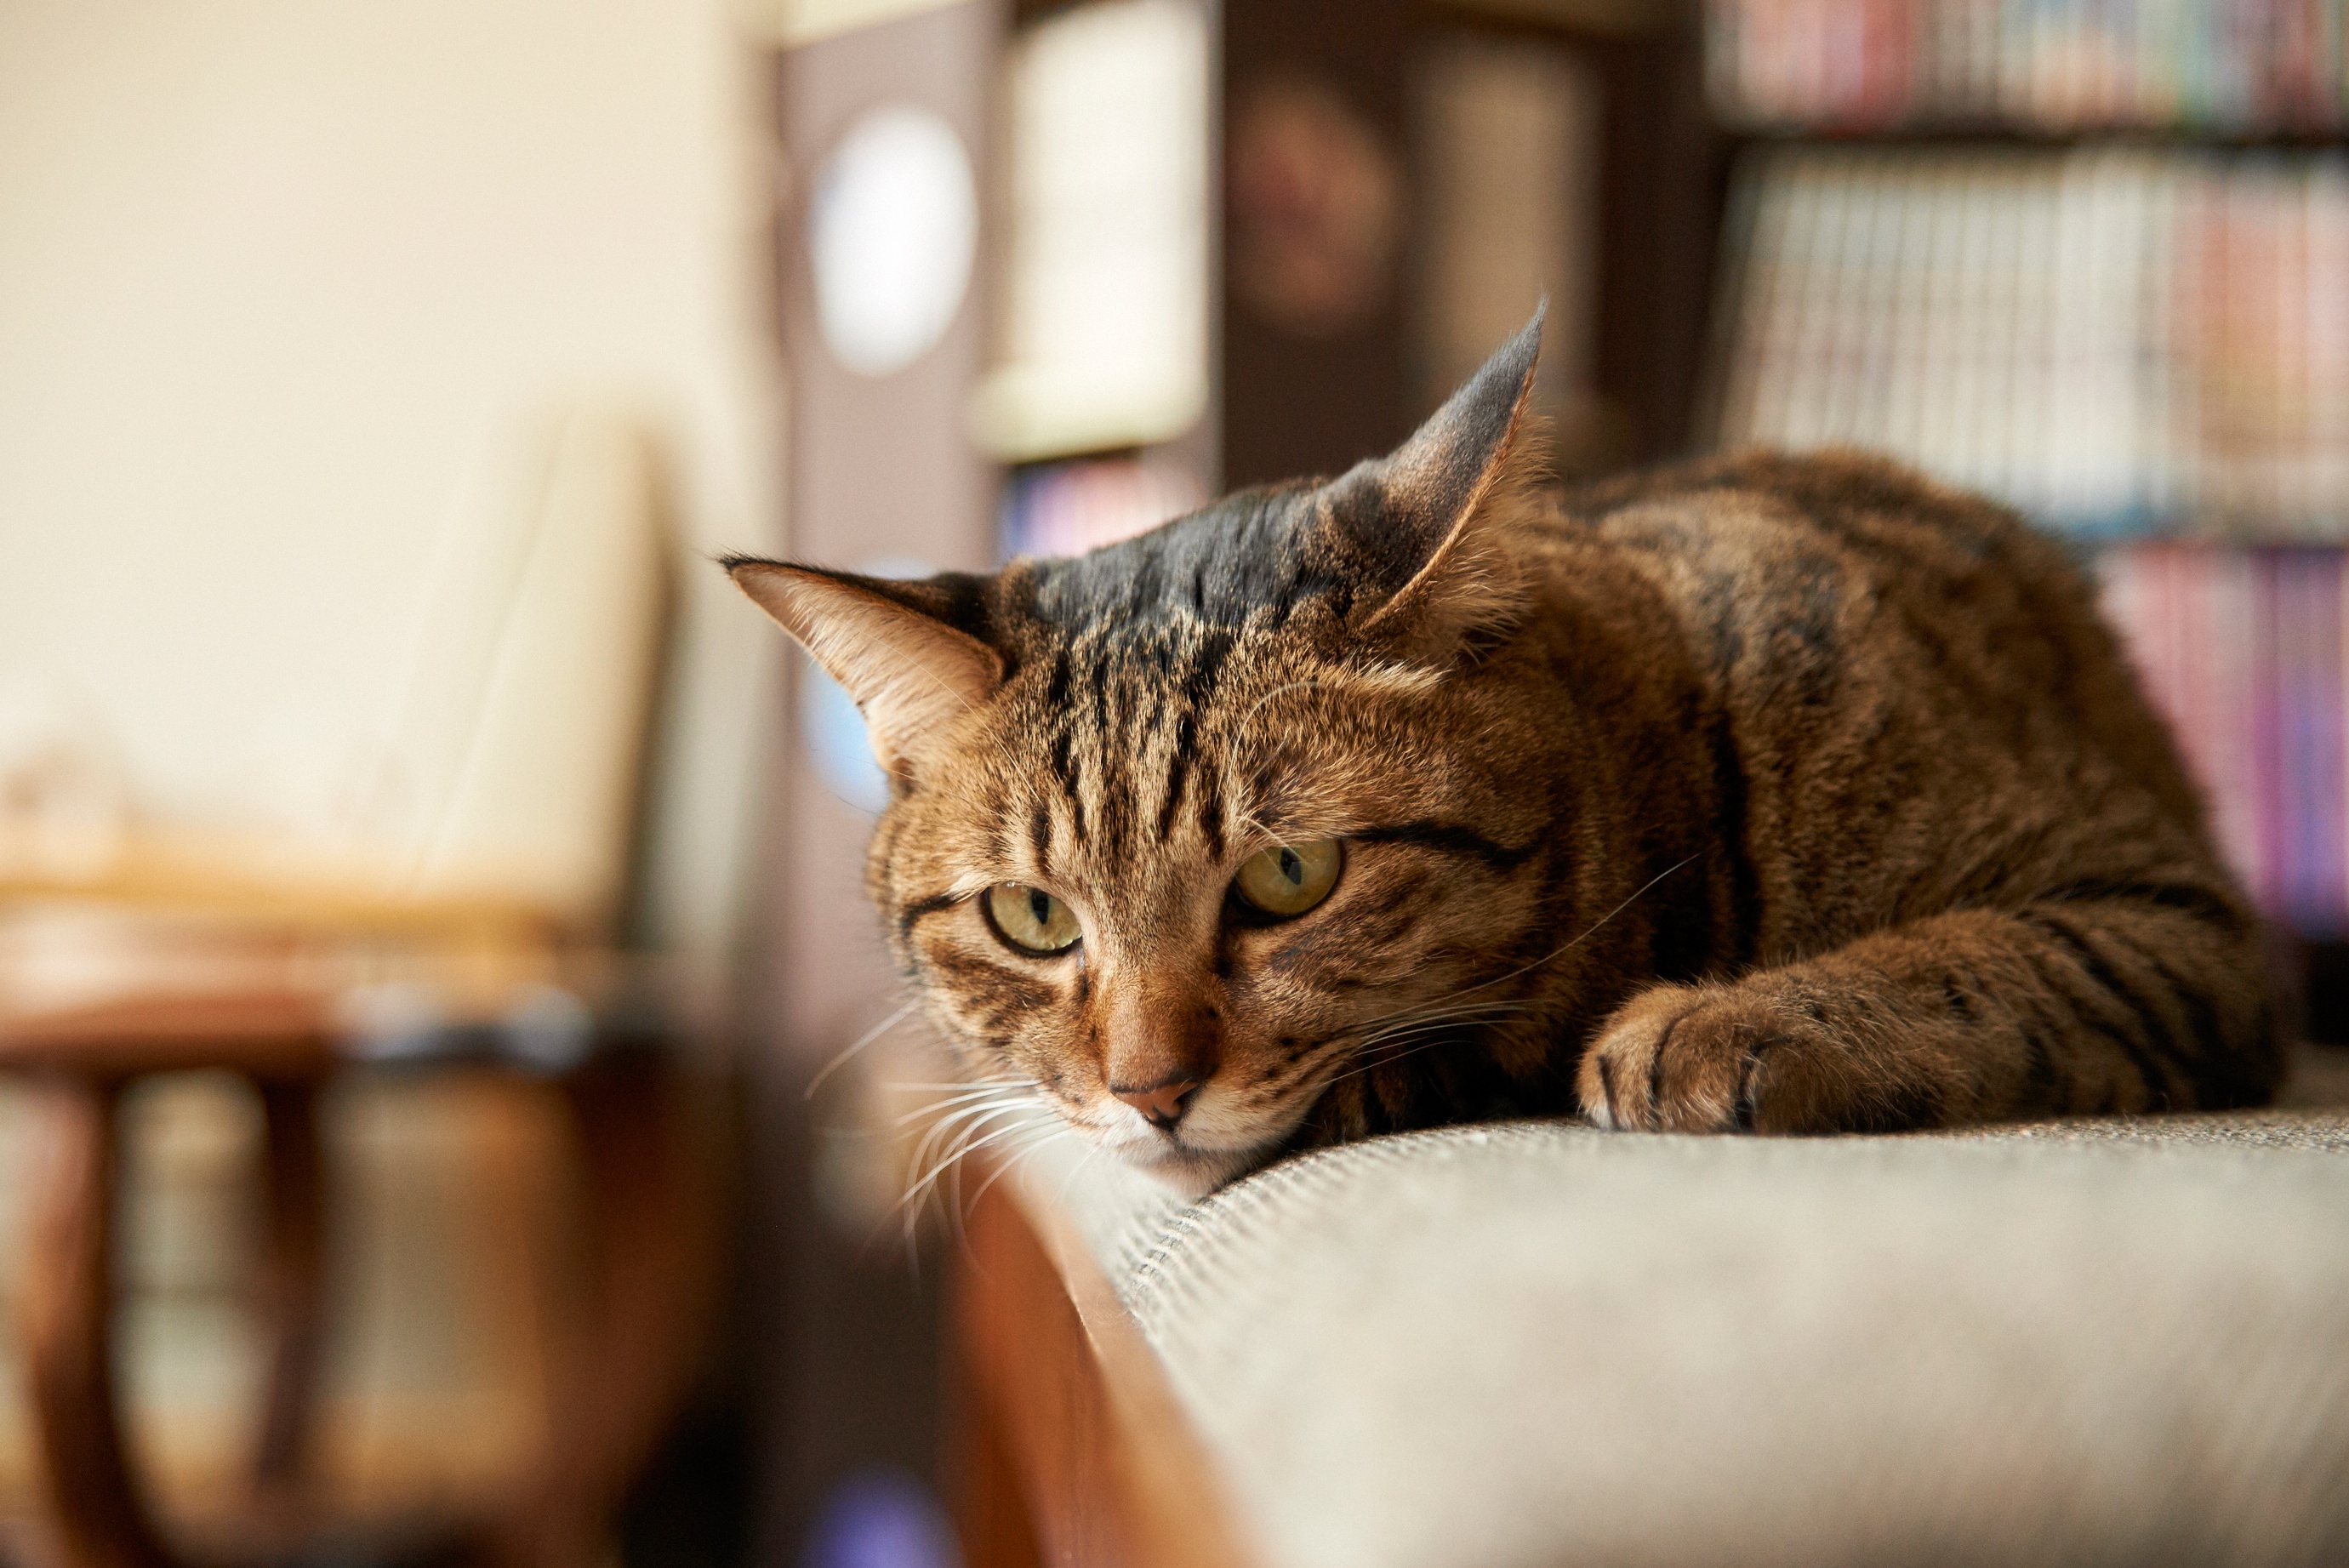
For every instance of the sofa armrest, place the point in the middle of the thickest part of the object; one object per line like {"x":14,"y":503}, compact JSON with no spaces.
{"x":1073,"y":1449}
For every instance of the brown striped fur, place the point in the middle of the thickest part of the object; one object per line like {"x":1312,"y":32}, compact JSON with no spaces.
{"x":1776,"y":794}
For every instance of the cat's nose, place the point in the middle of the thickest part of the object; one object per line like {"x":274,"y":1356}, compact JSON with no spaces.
{"x":1161,"y":1105}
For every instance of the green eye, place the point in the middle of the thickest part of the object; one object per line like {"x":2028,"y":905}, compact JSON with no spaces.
{"x":1291,"y":879}
{"x":1030,"y":919}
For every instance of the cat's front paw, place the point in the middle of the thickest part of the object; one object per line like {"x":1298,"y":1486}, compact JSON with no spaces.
{"x":1706,"y":1058}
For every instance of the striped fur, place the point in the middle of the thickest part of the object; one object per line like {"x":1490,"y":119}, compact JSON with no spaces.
{"x":1769,"y":794}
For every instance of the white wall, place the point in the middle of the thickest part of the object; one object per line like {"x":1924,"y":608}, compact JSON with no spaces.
{"x":287,"y":287}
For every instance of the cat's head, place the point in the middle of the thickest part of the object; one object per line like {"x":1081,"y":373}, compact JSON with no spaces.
{"x":1181,"y":827}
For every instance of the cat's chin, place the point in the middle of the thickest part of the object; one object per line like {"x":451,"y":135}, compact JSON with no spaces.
{"x":1194,"y":1173}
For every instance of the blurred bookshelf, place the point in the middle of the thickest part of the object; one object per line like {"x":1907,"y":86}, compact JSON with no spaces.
{"x":1354,"y":204}
{"x":2256,"y":68}
{"x":2123,"y":341}
{"x":2094,"y":259}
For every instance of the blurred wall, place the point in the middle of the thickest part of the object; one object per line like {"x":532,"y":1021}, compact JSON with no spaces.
{"x":288,"y":290}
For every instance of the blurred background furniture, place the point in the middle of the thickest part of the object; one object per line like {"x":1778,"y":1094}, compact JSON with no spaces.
{"x":630,"y":1298}
{"x":370,"y":1129}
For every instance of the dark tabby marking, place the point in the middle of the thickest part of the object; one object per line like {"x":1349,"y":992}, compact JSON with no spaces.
{"x":1771,"y":794}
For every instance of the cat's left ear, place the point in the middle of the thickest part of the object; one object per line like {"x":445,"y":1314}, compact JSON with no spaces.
{"x":893,"y":645}
{"x":1428,"y":517}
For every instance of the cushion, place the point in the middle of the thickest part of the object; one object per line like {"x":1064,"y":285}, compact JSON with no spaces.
{"x":2123,"y":1341}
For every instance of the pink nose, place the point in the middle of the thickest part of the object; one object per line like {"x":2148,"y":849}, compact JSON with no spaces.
{"x":1161,"y":1105}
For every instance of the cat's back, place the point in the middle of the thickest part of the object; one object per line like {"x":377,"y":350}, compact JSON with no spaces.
{"x":1918,"y":684}
{"x":1789,"y":557}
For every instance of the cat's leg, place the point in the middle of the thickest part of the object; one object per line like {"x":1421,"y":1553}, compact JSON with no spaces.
{"x":2129,"y":1003}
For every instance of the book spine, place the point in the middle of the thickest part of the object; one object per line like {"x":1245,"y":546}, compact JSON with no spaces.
{"x":2232,"y":66}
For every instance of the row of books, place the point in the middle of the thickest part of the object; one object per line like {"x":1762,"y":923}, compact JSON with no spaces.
{"x":2122,"y":342}
{"x":2236,"y":66}
{"x":2242,"y":650}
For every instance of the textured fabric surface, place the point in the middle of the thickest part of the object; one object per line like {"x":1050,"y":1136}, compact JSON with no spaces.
{"x":2086,"y":1343}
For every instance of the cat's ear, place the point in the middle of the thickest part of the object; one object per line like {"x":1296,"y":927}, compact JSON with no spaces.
{"x":889,"y":643}
{"x":1430,"y":516}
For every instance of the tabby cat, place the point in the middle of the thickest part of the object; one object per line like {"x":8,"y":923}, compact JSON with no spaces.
{"x":1767,"y":794}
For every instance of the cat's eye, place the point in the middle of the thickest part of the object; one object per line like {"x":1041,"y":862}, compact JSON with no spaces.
{"x":1030,"y":919}
{"x":1290,"y":880}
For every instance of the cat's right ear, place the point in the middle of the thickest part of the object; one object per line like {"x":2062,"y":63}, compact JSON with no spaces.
{"x":1422,"y":526}
{"x":911,"y":673}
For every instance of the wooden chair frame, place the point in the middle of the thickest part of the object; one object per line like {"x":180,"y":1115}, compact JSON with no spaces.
{"x":619,"y":1367}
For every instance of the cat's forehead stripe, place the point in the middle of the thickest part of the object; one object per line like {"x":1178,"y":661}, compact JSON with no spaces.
{"x":1040,"y":837}
{"x":1211,"y":821}
{"x":1178,"y":770}
{"x":1123,"y":721}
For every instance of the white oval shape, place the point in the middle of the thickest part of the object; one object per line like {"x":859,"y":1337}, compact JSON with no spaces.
{"x":893,"y":224}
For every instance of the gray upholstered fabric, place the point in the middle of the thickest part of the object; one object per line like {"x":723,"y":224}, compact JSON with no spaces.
{"x":2091,"y":1343}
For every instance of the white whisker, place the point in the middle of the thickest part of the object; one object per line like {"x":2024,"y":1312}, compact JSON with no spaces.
{"x":863,"y":1040}
{"x":913,"y":1201}
{"x":944,"y":1103}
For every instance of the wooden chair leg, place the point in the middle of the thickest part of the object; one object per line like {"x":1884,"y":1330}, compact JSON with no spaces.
{"x":290,"y":1288}
{"x":627,"y":1353}
{"x":101,"y":1519}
